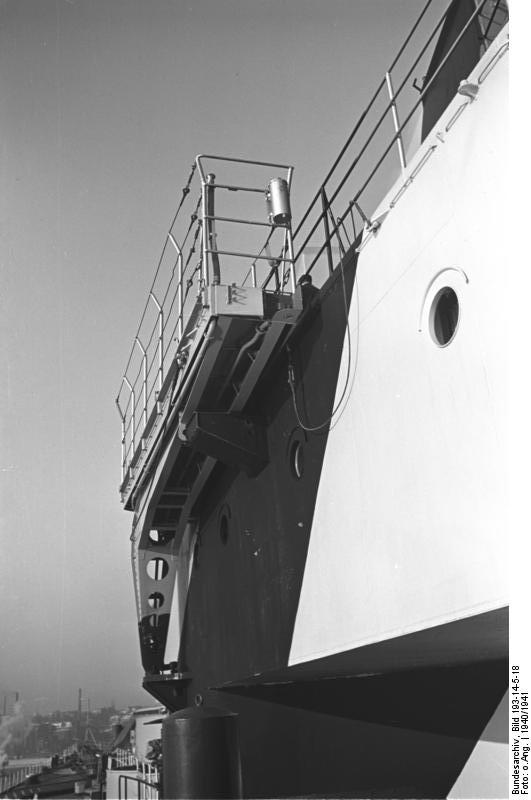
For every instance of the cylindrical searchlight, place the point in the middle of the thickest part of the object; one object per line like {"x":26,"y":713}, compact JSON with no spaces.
{"x":277,"y":201}
{"x":200,"y":754}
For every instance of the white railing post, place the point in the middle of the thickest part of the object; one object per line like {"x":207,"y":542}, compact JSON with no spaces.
{"x":291,"y":260}
{"x":396,"y":122}
{"x":132,"y":398}
{"x":122,"y":417}
{"x":180,"y":296}
{"x":179,"y":287}
{"x":204,"y":235}
{"x":204,"y":221}
{"x":161,"y":339}
{"x":144,"y":380}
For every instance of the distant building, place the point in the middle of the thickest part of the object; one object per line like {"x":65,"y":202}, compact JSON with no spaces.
{"x":9,"y":704}
{"x":62,"y":727}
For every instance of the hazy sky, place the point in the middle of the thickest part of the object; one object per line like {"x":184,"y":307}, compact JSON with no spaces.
{"x":103,"y":106}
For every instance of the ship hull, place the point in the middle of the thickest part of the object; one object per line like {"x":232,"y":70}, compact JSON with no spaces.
{"x":356,"y":617}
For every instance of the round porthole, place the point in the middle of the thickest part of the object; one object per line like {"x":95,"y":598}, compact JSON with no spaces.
{"x":195,"y":556}
{"x":224,"y":528}
{"x":224,"y":523}
{"x":444,"y":316}
{"x":296,"y":458}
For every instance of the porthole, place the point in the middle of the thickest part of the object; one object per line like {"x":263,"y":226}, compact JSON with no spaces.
{"x":155,"y":600}
{"x":296,"y":458}
{"x":224,"y":523}
{"x":195,"y":556}
{"x":444,"y":316}
{"x":224,"y":528}
{"x":157,"y":569}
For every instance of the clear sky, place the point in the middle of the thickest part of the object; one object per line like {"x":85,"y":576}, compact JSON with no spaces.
{"x":104,"y":104}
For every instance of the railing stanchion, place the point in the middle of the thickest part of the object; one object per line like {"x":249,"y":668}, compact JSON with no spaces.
{"x":122,"y":418}
{"x":204,"y":231}
{"x":161,"y":340}
{"x":123,"y":449}
{"x":180,"y":309}
{"x":161,"y":348}
{"x":211,"y":230}
{"x":180,"y":301}
{"x":285,"y":267}
{"x":396,"y":121}
{"x":132,"y":398}
{"x":144,"y":380}
{"x":324,"y":203}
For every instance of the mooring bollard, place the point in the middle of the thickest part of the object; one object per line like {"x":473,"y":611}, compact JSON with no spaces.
{"x":200,"y":754}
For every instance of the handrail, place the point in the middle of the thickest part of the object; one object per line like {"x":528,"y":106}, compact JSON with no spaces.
{"x":362,"y":117}
{"x":18,"y":775}
{"x":423,"y":93}
{"x":233,"y":160}
{"x":160,"y":345}
{"x":391,"y":109}
{"x":144,"y":378}
{"x":381,"y":119}
{"x":144,"y":374}
{"x":152,"y":795}
{"x":162,"y":334}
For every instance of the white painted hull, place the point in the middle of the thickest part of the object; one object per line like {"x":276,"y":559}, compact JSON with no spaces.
{"x":417,"y":444}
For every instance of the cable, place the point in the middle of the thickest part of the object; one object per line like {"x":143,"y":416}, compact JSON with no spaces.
{"x":291,"y":371}
{"x":186,"y":191}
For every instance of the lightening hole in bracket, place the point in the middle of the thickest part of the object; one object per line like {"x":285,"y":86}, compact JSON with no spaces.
{"x":157,"y":569}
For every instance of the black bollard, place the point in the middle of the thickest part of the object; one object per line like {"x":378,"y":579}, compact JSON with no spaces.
{"x":201,"y":755}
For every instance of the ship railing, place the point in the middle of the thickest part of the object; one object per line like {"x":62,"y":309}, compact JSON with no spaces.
{"x":162,"y":321}
{"x":387,"y":134}
{"x":140,"y":779}
{"x":122,"y":758}
{"x":279,"y":257}
{"x":237,"y":242}
{"x":142,"y":786}
{"x":18,"y":775}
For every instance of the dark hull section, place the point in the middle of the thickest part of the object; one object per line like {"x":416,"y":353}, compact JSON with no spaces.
{"x":254,"y":532}
{"x":324,"y":728}
{"x":402,"y":735}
